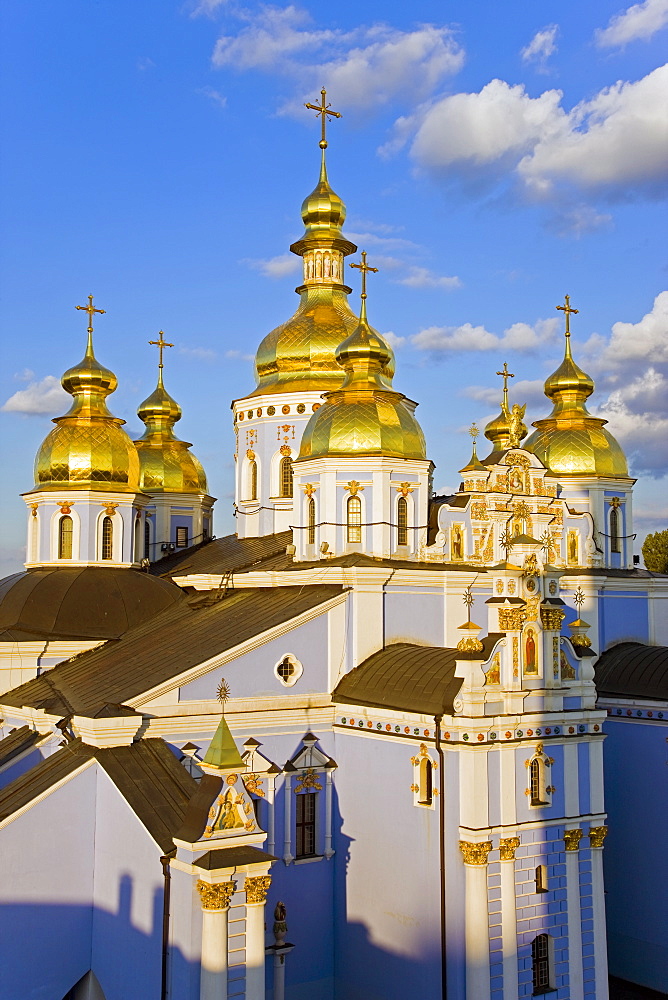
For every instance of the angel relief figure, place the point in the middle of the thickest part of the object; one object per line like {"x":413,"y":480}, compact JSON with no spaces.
{"x":228,"y":817}
{"x":517,"y":429}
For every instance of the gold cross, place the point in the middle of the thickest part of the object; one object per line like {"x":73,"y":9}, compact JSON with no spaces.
{"x":568,"y":309}
{"x":160,"y":343}
{"x":90,"y":309}
{"x":364,"y":267}
{"x":323,"y":109}
{"x":506,"y":375}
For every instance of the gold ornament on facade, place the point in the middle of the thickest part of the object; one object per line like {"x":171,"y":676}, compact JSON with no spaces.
{"x":551,"y":618}
{"x":512,"y":619}
{"x":597,"y":835}
{"x":253,"y":783}
{"x":572,"y":839}
{"x":470,"y":644}
{"x":65,"y":508}
{"x":405,"y":488}
{"x":507,"y":848}
{"x":567,"y":671}
{"x":308,"y":779}
{"x":215,"y":897}
{"x":250,"y":454}
{"x":354,"y":488}
{"x":581,"y":640}
{"x":516,"y":656}
{"x":256,"y":888}
{"x":110,"y":508}
{"x":532,"y":607}
{"x":475,"y":854}
{"x":555,"y":656}
{"x":517,"y":428}
{"x":286,"y":450}
{"x":309,"y":489}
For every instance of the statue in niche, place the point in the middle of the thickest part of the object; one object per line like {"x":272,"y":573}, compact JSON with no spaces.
{"x":318,"y":266}
{"x":310,"y":267}
{"x":457,"y":543}
{"x":530,"y":663}
{"x":335,"y":268}
{"x":573,"y":547}
{"x":327,"y":267}
{"x":517,"y":429}
{"x":515,"y":480}
{"x":280,"y":927}
{"x":494,"y":672}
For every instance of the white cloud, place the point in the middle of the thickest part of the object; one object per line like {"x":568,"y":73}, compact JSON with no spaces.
{"x":637,"y":416}
{"x":235,"y":355}
{"x":45,"y":396}
{"x":421,"y":277}
{"x":580,"y":220}
{"x":275,"y":267}
{"x":541,"y":47}
{"x":393,"y":340}
{"x":214,"y":95}
{"x":366,"y":67}
{"x":519,"y":337}
{"x":199,"y":353}
{"x":369,"y":239}
{"x":614,"y":143}
{"x":529,"y":391}
{"x":206,"y":7}
{"x":644,"y":341}
{"x":641,"y":21}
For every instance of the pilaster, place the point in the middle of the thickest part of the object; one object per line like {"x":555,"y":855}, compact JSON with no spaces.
{"x":476,"y":911}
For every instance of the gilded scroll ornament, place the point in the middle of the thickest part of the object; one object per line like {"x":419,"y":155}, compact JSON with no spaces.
{"x":253,"y":783}
{"x":512,"y":619}
{"x":475,"y":854}
{"x":286,"y":450}
{"x":405,"y":488}
{"x":257,"y":888}
{"x":507,"y":848}
{"x":308,"y":779}
{"x":470,"y":644}
{"x":551,"y":618}
{"x":597,"y":835}
{"x":215,"y":897}
{"x":580,"y":639}
{"x":110,"y":509}
{"x":572,"y":839}
{"x":250,"y":454}
{"x":354,"y":487}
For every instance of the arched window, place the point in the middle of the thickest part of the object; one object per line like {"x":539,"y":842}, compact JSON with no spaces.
{"x":536,"y":779}
{"x":402,"y":521}
{"x":65,"y":537}
{"x":614,"y":530}
{"x":285,"y":477}
{"x":426,"y":790}
{"x":540,"y":960}
{"x":311,"y":521}
{"x":147,"y":539}
{"x":34,"y":538}
{"x":252,"y":481}
{"x":107,"y":538}
{"x":354,"y":519}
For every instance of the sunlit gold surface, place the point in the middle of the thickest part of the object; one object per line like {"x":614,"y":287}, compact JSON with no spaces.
{"x":498,"y":429}
{"x":166,"y":464}
{"x":572,"y":442}
{"x":365,"y":416}
{"x":87,"y":448}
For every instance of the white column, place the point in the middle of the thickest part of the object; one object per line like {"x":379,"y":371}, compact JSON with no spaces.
{"x":287,"y":845}
{"x":215,"y":901}
{"x":507,"y":849}
{"x":279,"y":976}
{"x":575,"y":971}
{"x":596,"y":838}
{"x":271,"y":796}
{"x":256,"y":895}
{"x":476,"y":919}
{"x":328,"y":815}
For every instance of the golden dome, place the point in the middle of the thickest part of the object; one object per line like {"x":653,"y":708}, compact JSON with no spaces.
{"x":572,"y":442}
{"x":365,"y":416}
{"x":299,"y":354}
{"x":166,"y":464}
{"x":87,"y":449}
{"x":498,"y":430}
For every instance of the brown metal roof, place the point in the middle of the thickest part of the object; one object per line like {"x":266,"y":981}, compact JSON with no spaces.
{"x":17,"y":742}
{"x":148,"y":775}
{"x":223,"y":555}
{"x":634,"y":670}
{"x":170,"y":643}
{"x":86,"y":602}
{"x":233,"y":857}
{"x":282,"y":562}
{"x":407,"y":678}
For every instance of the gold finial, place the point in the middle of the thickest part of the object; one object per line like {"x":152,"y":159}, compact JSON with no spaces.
{"x":467,"y":598}
{"x":567,"y":309}
{"x":579,"y":599}
{"x":223,"y":692}
{"x":160,"y":343}
{"x":323,"y":109}
{"x":364,"y":267}
{"x":91,"y":310}
{"x":505,"y":375}
{"x":474,"y":431}
{"x":506,"y":541}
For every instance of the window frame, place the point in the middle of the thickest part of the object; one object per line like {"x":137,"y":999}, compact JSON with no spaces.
{"x":310,"y":521}
{"x":285,"y":478}
{"x":615,"y":537}
{"x":354,"y":520}
{"x":542,"y":965}
{"x":306,"y":828}
{"x":402,"y":521}
{"x":252,"y":479}
{"x":177,"y":534}
{"x":63,"y":521}
{"x":107,"y":539}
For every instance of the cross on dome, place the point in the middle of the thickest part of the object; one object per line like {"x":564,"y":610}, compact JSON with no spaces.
{"x":160,"y":343}
{"x":322,"y":110}
{"x":364,"y":268}
{"x":91,"y":310}
{"x":567,"y":309}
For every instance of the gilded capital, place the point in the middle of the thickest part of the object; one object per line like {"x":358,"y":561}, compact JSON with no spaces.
{"x":257,"y":888}
{"x":512,"y":619}
{"x":597,"y":835}
{"x":507,"y":848}
{"x":475,"y":854}
{"x":572,"y":839}
{"x":215,"y":897}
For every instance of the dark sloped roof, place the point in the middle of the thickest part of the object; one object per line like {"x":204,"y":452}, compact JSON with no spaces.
{"x":406,"y":677}
{"x":17,"y":742}
{"x":634,"y":670}
{"x":223,"y":555}
{"x":233,"y":857}
{"x":283,"y":562}
{"x":175,"y":640}
{"x":85,"y":602}
{"x":148,"y":775}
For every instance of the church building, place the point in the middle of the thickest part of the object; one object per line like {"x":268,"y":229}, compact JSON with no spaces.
{"x":378,"y":743}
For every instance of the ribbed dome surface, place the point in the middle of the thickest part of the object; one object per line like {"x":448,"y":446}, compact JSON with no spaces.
{"x":166,"y":464}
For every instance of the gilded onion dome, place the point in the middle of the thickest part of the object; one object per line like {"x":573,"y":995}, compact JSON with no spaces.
{"x":299,"y":354}
{"x":87,"y":449}
{"x":572,"y":442}
{"x":498,"y":430}
{"x":366,"y":416}
{"x":166,"y":465}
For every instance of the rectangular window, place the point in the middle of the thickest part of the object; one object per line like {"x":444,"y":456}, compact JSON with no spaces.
{"x":541,"y":878}
{"x":306,"y":825}
{"x":182,"y":538}
{"x":540,"y":956}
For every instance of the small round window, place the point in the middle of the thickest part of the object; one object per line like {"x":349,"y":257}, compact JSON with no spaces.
{"x":288,"y":670}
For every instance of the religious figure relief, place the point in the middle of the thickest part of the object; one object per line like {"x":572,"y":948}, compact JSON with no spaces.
{"x":335,"y":268}
{"x":515,"y":480}
{"x":494,"y":673}
{"x":457,"y":542}
{"x":517,"y":429}
{"x":228,"y":813}
{"x":327,"y":267}
{"x":530,"y":661}
{"x":573,"y":548}
{"x":567,"y":671}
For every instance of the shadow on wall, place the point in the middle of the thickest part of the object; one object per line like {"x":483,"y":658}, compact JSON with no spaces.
{"x":49,"y":949}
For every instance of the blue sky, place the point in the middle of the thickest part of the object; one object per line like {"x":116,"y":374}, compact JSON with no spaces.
{"x":492,"y":158}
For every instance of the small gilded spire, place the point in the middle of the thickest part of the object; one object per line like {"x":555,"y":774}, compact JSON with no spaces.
{"x":159,"y":411}
{"x":364,"y":354}
{"x":322,"y":110}
{"x":160,"y":343}
{"x":223,"y":753}
{"x":498,"y":429}
{"x":474,"y":464}
{"x":91,"y":310}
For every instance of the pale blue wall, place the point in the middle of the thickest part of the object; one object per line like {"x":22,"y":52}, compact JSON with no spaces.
{"x":623,"y":617}
{"x":634,"y":856}
{"x":416,"y":618}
